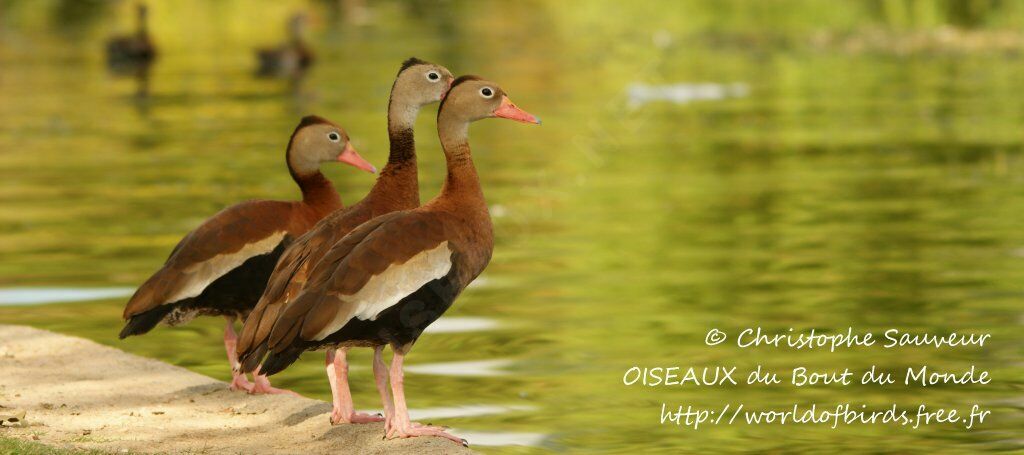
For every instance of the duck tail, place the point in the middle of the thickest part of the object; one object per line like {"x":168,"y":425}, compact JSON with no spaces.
{"x":250,"y":360}
{"x":145,"y":321}
{"x":277,"y":361}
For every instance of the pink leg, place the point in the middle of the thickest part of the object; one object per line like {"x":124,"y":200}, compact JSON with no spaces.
{"x":380,"y":376}
{"x":401,"y":426}
{"x":337,"y":375}
{"x":263,"y":386}
{"x":238,"y":381}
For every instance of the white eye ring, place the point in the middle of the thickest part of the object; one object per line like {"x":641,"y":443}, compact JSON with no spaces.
{"x":333,"y":136}
{"x":487,"y":92}
{"x":433,"y":76}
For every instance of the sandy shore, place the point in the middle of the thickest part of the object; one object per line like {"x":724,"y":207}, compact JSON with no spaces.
{"x":81,"y":394}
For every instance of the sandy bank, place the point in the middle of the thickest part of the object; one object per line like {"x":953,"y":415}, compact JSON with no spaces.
{"x":81,"y":394}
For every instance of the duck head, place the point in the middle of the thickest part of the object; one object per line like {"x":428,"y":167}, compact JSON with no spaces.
{"x":473,"y":98}
{"x":420,"y":83}
{"x":317,"y":140}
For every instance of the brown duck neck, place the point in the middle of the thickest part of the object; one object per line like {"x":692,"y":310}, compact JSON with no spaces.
{"x":462,"y":183}
{"x":398,"y":181}
{"x":318,"y":191}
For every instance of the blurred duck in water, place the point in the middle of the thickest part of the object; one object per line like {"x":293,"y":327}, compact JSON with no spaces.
{"x":290,"y":59}
{"x":135,"y":50}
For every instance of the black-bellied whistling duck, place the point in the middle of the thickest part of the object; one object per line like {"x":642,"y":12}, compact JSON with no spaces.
{"x":289,"y":59}
{"x":418,"y":83}
{"x":222,"y":267}
{"x":135,"y":49}
{"x":394,"y":275}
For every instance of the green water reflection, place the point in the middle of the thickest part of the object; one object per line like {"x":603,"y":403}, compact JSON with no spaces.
{"x":861,"y":182}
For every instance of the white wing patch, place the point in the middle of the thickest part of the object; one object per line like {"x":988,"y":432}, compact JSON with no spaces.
{"x":199,"y":276}
{"x":384,"y":290}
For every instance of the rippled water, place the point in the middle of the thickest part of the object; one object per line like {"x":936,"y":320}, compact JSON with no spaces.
{"x":839,"y":188}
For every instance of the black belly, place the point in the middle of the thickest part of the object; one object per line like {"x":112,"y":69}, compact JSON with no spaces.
{"x":400,"y":325}
{"x":404,"y":322}
{"x":236,"y":292}
{"x":233,"y":294}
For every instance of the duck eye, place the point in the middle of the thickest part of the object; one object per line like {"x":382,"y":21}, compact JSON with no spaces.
{"x":433,"y":76}
{"x":486,"y":92}
{"x":334,"y":137}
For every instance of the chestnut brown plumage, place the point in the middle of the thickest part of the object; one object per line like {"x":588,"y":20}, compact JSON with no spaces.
{"x":221,"y":267}
{"x":393,"y":276}
{"x":417,"y":84}
{"x":397,"y":188}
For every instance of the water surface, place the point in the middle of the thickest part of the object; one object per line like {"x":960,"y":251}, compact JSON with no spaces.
{"x":843,"y":186}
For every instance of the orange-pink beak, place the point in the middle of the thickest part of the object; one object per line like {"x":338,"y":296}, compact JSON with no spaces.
{"x":350,"y":156}
{"x":509,"y":110}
